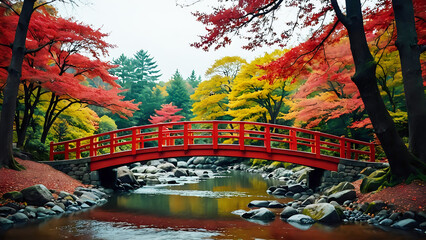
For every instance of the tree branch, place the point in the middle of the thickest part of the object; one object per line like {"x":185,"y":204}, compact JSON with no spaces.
{"x":6,"y":45}
{"x":9,"y":6}
{"x":339,"y":13}
{"x":422,"y":48}
{"x":39,"y":48}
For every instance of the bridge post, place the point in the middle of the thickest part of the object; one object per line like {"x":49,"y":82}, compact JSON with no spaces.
{"x":92,"y":151}
{"x":185,"y":136}
{"x":215,"y":135}
{"x":372,"y":152}
{"x":160,"y":138}
{"x":267,"y":140}
{"x":111,"y":143}
{"x":141,"y":139}
{"x":133,"y":141}
{"x":190,"y":134}
{"x":66,"y":146}
{"x":348,"y":150}
{"x":51,"y":151}
{"x":342,"y":147}
{"x":241,"y":136}
{"x":77,"y":150}
{"x":317,"y":139}
{"x":293,"y":140}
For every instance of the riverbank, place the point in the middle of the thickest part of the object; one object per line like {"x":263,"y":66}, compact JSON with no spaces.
{"x":36,"y":173}
{"x":402,"y":197}
{"x":41,"y":192}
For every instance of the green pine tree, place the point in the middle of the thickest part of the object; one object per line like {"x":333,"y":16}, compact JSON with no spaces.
{"x":179,"y":95}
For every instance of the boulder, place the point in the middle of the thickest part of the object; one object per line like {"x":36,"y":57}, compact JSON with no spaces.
{"x":166,"y":166}
{"x":155,"y":162}
{"x":367,"y":171}
{"x":408,"y":214}
{"x":374,"y":181}
{"x":126,"y":176}
{"x":259,"y":214}
{"x":296,"y":188}
{"x":342,"y":196}
{"x":376,"y":206}
{"x":275,"y":204}
{"x":308,"y":201}
{"x":406,"y":224}
{"x":14,"y":195}
{"x":338,"y":188}
{"x":322,"y":212}
{"x":288,"y":212}
{"x":173,"y":161}
{"x":181,"y":164}
{"x":301,"y":219}
{"x":37,"y":195}
{"x":18,"y":218}
{"x":279,"y":191}
{"x":5,"y":223}
{"x":180,"y":172}
{"x":4,"y":211}
{"x":57,"y":209}
{"x":198,"y":160}
{"x":258,"y":203}
{"x":151,"y":169}
{"x":386,"y":222}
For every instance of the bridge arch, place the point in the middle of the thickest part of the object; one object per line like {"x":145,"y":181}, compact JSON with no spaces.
{"x":214,"y":138}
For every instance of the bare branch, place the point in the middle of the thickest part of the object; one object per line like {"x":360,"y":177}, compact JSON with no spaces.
{"x":6,"y":45}
{"x":9,"y":6}
{"x":339,"y":13}
{"x":39,"y":48}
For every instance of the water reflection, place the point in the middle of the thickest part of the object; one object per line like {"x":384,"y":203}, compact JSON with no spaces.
{"x":208,"y":199}
{"x":192,"y":211}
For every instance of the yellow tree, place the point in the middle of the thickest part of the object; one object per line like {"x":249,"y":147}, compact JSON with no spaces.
{"x":211,"y":96}
{"x":254,"y":98}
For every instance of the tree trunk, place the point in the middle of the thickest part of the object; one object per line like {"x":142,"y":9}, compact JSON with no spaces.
{"x":12,"y":87}
{"x":29,"y":109}
{"x":365,"y":79}
{"x":409,"y":53}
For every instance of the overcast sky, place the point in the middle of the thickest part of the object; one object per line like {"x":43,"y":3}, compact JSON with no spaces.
{"x":159,"y":27}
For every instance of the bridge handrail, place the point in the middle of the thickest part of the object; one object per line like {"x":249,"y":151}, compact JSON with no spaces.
{"x":166,"y":135}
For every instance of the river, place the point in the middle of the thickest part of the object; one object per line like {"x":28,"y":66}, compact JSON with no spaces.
{"x":190,"y":210}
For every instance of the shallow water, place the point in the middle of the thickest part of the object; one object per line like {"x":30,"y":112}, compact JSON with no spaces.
{"x":190,"y":210}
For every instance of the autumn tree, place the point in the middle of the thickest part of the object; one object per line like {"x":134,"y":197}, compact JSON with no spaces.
{"x":211,"y":96}
{"x":167,"y":113}
{"x":10,"y":91}
{"x":259,"y":17}
{"x":253,"y":98}
{"x":54,"y":65}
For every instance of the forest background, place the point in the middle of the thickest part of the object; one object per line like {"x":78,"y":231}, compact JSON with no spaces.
{"x":68,"y":92}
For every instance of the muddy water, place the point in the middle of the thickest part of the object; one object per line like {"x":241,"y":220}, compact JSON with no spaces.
{"x":190,"y":210}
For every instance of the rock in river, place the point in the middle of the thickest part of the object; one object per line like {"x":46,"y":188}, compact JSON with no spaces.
{"x":342,"y":196}
{"x":301,"y":219}
{"x":37,"y":195}
{"x":259,"y":214}
{"x":322,"y":212}
{"x":258,"y":203}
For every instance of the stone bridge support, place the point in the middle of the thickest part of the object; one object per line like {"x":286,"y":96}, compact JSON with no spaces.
{"x":347,"y":170}
{"x":78,"y":169}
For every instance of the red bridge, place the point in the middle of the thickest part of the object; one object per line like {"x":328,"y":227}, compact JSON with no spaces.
{"x":214,"y":138}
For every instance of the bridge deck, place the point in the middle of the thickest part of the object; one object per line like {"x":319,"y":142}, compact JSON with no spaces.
{"x":214,"y":138}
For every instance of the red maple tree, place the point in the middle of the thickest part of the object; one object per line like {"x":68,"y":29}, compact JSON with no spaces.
{"x":359,"y":26}
{"x":61,"y":56}
{"x":166,"y":114}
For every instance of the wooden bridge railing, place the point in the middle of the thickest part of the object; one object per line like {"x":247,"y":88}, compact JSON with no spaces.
{"x":216,"y":134}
